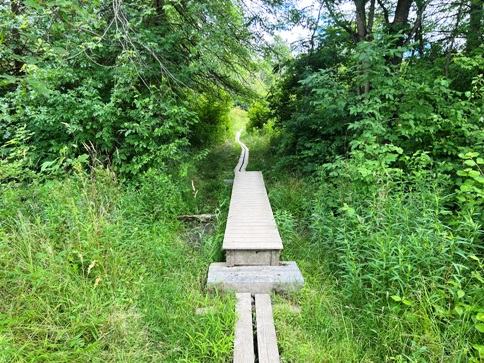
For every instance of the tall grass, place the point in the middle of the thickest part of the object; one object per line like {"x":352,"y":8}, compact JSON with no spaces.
{"x":405,"y":264}
{"x":92,"y":270}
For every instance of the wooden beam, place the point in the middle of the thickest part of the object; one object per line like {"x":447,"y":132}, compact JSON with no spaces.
{"x":244,"y":336}
{"x":266,"y":331}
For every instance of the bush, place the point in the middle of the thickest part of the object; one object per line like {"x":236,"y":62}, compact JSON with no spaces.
{"x":259,"y":114}
{"x":213,"y":115}
{"x":398,"y":254}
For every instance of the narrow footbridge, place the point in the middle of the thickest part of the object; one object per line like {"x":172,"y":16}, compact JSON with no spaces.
{"x":253,"y":268}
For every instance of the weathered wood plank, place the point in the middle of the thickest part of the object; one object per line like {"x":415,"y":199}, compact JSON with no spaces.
{"x":250,"y":206}
{"x":247,"y":245}
{"x":266,"y":332}
{"x":248,"y":257}
{"x":267,"y":231}
{"x":244,"y":338}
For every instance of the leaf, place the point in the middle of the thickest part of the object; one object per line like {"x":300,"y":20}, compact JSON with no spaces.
{"x":470,"y":162}
{"x":407,"y":302}
{"x":479,"y":179}
{"x":396,"y":298}
{"x":32,"y":4}
{"x":7,"y":79}
{"x":473,"y":173}
{"x":480,"y":327}
{"x":480,"y":316}
{"x":479,"y":348}
{"x":82,"y":158}
{"x":47,"y":164}
{"x":39,"y":87}
{"x":459,"y":310}
{"x":460,"y":294}
{"x":389,"y":158}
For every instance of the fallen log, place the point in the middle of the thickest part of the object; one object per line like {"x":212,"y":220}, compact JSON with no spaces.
{"x":202,"y":218}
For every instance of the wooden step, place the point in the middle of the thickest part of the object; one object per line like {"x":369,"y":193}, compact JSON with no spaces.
{"x":255,"y":279}
{"x":252,"y":257}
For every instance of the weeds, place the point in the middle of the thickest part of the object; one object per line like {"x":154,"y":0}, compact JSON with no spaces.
{"x":393,"y":271}
{"x":94,"y":270}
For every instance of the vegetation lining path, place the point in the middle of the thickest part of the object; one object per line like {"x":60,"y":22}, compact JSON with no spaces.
{"x":253,"y":245}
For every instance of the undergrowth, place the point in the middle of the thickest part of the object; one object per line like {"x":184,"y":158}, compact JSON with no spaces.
{"x":96,"y":269}
{"x":93,"y":269}
{"x":393,"y":268}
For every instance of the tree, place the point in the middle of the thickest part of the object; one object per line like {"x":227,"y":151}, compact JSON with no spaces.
{"x":120,"y":78}
{"x":474,"y":33}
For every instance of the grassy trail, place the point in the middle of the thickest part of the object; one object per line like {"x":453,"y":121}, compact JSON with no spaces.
{"x":94,"y":269}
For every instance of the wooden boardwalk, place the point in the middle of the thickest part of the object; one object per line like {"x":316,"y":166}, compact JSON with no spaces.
{"x":251,"y":236}
{"x":253,"y":245}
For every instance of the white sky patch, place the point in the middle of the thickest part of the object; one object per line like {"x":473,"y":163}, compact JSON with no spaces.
{"x":300,"y":32}
{"x":295,"y":34}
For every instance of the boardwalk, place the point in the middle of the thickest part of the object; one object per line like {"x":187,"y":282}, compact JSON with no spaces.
{"x":251,"y":236}
{"x":252,"y":246}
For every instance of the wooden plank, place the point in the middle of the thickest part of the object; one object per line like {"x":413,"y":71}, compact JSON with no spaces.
{"x":247,"y":245}
{"x":252,"y":244}
{"x":250,"y":223}
{"x":265,"y":239}
{"x":244,"y":337}
{"x":266,"y":331}
{"x":265,"y":230}
{"x":271,"y":241}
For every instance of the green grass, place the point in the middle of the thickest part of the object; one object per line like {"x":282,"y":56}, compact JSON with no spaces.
{"x":92,"y":270}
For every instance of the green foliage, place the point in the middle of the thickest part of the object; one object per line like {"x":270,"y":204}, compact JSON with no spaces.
{"x":471,"y":189}
{"x":213,"y":114}
{"x":15,"y":162}
{"x":130,"y":131}
{"x":259,"y":114}
{"x":86,"y":77}
{"x":310,"y":103}
{"x":392,"y":266}
{"x":395,"y":252}
{"x":92,"y":270}
{"x":401,"y":113}
{"x":416,"y":116}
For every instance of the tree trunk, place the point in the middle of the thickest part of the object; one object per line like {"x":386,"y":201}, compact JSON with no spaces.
{"x":371,"y":19}
{"x":17,"y":47}
{"x":399,"y":25}
{"x":361,"y":19}
{"x":474,"y":33}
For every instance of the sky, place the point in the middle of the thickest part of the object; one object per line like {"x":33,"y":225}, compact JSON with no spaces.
{"x":298,"y":32}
